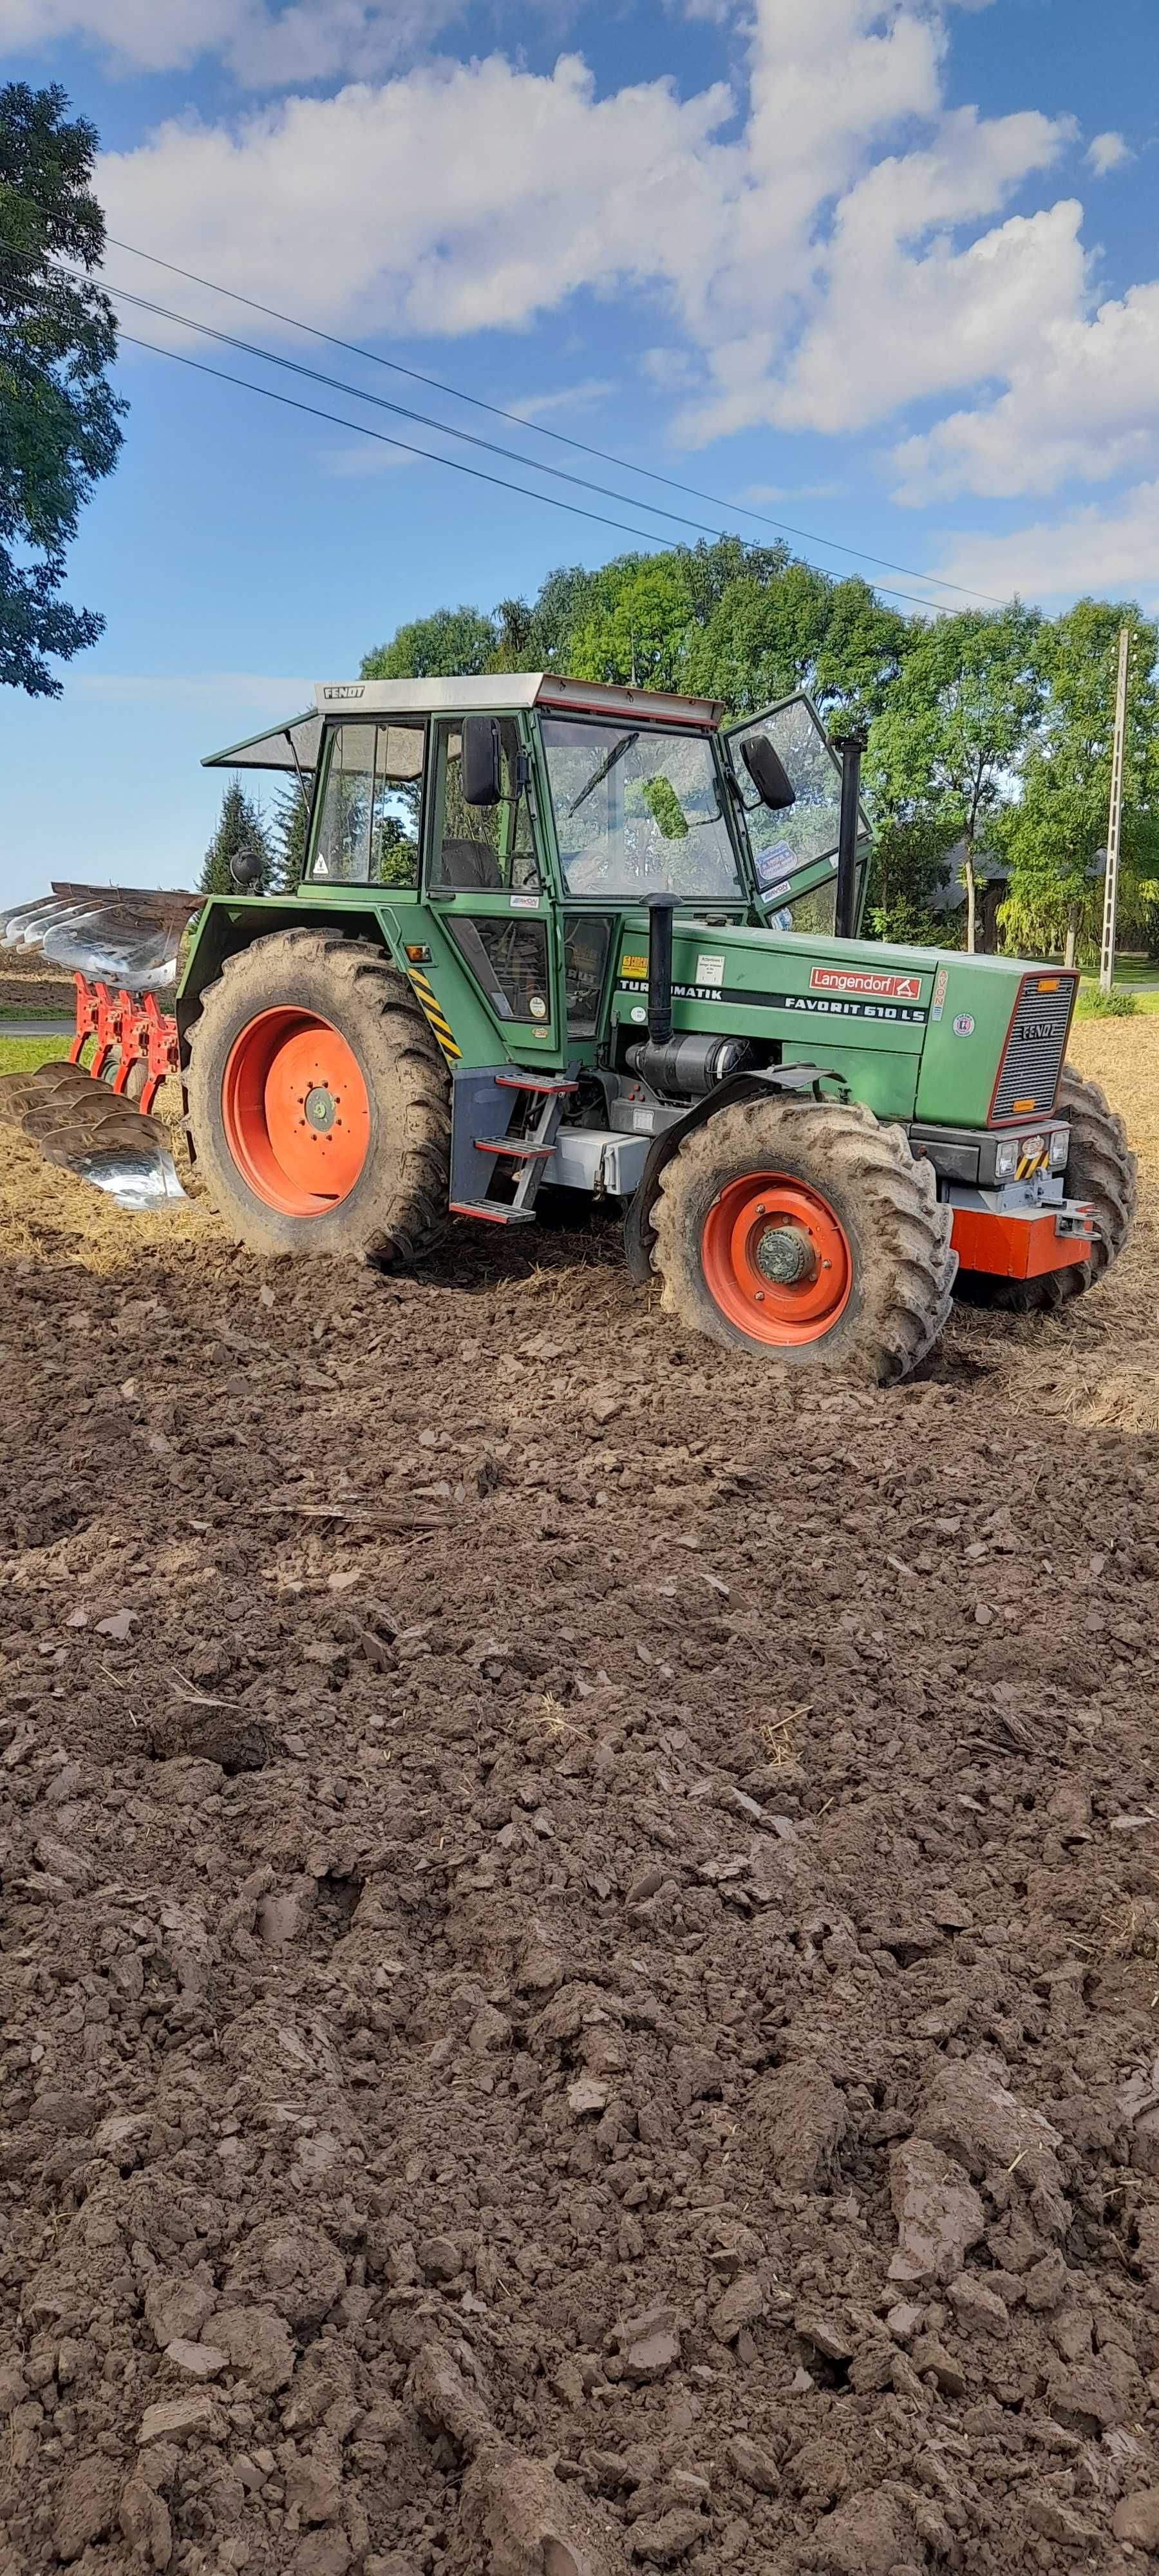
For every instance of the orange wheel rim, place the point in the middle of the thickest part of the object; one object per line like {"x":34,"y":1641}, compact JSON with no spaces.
{"x":296,"y":1112}
{"x":776,"y":1259}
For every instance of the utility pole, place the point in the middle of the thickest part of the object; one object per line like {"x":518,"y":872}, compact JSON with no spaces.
{"x":1115,"y":826}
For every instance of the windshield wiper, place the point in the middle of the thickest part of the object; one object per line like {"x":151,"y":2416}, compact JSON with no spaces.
{"x":598,"y":775}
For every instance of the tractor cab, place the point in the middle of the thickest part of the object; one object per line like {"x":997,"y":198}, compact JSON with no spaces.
{"x":536,"y":831}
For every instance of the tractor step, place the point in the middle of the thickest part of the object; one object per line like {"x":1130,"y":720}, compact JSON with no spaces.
{"x":491,"y":1209}
{"x":512,"y":1145}
{"x":544,"y":1082}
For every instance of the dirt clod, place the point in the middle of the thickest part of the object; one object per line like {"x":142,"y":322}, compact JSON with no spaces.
{"x":652,"y":2062}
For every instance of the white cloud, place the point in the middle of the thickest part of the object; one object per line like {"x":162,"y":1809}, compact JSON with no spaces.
{"x":1108,"y":152}
{"x":566,"y":398}
{"x":1082,"y":402}
{"x":501,"y":192}
{"x":843,"y":249}
{"x":893,"y":324}
{"x":264,"y":47}
{"x":1113,"y":552}
{"x":760,"y":492}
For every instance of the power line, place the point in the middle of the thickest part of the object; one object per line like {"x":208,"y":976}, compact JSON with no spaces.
{"x":649,"y":536}
{"x":455,"y":464}
{"x":424,"y":420}
{"x":560,"y":438}
{"x":402,"y":411}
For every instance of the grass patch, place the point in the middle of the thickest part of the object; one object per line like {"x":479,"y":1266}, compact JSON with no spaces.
{"x":17,"y":1014}
{"x":22,"y":1055}
{"x":1115,"y":1005}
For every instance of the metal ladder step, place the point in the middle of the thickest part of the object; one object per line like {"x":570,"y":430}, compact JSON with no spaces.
{"x":544,"y":1082}
{"x":492,"y":1211}
{"x":512,"y":1145}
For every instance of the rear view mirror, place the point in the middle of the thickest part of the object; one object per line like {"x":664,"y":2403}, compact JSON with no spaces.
{"x":767,"y":772}
{"x":481,"y":768}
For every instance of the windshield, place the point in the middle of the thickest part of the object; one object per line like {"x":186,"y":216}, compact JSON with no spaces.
{"x":638,"y":811}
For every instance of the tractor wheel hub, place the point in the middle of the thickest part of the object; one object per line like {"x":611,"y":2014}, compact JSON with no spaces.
{"x":320,"y":1110}
{"x":784,"y":1254}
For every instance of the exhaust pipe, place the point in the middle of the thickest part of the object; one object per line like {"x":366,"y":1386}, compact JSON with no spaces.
{"x":660,"y":910}
{"x":851,"y":747}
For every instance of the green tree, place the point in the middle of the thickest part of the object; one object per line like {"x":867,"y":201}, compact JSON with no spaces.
{"x":1054,"y":838}
{"x":451,"y":642}
{"x":291,"y":820}
{"x":513,"y":637}
{"x":910,"y":863}
{"x":564,"y":600}
{"x":638,"y":631}
{"x":955,"y":729}
{"x":240,"y":833}
{"x":59,"y":417}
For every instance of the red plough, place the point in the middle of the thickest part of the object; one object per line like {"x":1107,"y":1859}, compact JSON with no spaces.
{"x":131,"y":1029}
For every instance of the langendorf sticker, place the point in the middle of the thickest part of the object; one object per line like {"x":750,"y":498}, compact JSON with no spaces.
{"x":865,"y":983}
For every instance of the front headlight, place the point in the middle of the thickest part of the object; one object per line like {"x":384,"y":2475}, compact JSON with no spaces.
{"x":1059,"y":1149}
{"x":1006,"y":1158}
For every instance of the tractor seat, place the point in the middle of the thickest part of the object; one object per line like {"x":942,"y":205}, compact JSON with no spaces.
{"x":469,"y":863}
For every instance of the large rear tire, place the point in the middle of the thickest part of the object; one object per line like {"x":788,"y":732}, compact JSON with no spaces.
{"x":319,"y":1105}
{"x":1101,"y":1169}
{"x":806,"y":1234}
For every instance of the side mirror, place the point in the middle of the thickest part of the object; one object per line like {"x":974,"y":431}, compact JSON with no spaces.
{"x":481,"y":769}
{"x":768,"y":773}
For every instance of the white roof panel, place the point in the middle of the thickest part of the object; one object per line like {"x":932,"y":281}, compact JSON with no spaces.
{"x":508,"y":690}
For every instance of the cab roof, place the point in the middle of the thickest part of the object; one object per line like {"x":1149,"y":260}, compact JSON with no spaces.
{"x":295,"y":744}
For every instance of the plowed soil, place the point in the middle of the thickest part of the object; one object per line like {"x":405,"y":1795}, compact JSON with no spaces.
{"x":32,"y":989}
{"x":579,"y":1949}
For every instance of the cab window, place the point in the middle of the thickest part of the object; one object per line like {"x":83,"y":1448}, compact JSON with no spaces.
{"x":370,"y":823}
{"x":482,"y":848}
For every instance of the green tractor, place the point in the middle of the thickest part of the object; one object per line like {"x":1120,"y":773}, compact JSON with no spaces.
{"x":553,"y":934}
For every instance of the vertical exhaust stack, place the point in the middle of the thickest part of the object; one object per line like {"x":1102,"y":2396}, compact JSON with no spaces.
{"x":851,"y":747}
{"x":660,"y":910}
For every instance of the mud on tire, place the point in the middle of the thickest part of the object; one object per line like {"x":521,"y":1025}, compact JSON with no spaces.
{"x":1101,"y":1169}
{"x":396,"y":1211}
{"x":886,"y":1204}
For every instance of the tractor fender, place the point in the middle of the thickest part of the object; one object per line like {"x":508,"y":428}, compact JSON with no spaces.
{"x":229,"y":923}
{"x":638,"y":1231}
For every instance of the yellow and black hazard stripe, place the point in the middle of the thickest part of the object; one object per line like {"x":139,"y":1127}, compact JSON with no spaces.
{"x":1029,"y":1164}
{"x":435,"y":1015}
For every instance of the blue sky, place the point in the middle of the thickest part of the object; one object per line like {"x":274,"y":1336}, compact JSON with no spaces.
{"x":888,"y":272}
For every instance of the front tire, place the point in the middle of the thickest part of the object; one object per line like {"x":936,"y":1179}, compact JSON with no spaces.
{"x":319,"y":1105}
{"x":1102,"y":1170}
{"x":806,"y":1234}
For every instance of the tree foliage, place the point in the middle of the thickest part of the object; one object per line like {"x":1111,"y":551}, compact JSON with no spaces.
{"x":1054,"y":836}
{"x":288,"y":839}
{"x":59,"y":418}
{"x":955,"y":730}
{"x":240,"y":833}
{"x":990,"y":732}
{"x":453,"y":640}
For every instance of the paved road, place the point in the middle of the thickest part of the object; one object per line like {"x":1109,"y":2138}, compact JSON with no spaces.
{"x":36,"y":1028}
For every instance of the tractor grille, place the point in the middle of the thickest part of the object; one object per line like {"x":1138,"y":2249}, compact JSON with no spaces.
{"x":1032,"y":1056}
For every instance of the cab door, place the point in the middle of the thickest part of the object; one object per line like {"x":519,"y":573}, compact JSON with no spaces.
{"x":794,"y":850}
{"x":488,"y":882}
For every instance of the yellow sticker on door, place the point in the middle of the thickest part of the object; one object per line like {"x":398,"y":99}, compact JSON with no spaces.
{"x":633,"y":965}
